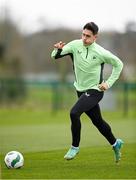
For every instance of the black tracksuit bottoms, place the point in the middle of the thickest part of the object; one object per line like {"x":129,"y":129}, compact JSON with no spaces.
{"x":88,"y":103}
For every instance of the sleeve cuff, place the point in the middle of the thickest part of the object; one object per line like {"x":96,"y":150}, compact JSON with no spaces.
{"x":108,"y":84}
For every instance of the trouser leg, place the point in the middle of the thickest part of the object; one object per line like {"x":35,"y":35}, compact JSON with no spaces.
{"x":101,"y":125}
{"x":84,"y":104}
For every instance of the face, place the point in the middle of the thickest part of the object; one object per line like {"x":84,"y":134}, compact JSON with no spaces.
{"x":87,"y":37}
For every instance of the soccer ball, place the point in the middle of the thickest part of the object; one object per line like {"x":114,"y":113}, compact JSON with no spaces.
{"x":14,"y":159}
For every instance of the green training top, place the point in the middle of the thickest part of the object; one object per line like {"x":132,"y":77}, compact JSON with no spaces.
{"x":88,"y":64}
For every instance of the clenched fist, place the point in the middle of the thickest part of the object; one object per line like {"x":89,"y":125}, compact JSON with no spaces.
{"x":103,"y":86}
{"x":59,"y":45}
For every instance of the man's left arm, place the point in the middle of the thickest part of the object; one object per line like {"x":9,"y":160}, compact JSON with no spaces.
{"x":117,"y":67}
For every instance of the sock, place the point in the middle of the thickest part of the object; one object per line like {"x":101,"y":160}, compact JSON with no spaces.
{"x":75,"y":147}
{"x":115,"y":143}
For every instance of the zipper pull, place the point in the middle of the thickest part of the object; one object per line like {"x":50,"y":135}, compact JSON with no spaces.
{"x":86,"y":52}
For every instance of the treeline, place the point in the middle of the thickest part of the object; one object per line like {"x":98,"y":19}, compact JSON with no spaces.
{"x":24,"y":54}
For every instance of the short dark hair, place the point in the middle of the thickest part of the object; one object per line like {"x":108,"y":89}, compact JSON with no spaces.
{"x":92,"y":27}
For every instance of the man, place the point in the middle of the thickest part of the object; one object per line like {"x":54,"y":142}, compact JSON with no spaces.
{"x":88,"y":60}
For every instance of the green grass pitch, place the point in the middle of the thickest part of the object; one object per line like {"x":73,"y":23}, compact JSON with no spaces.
{"x":44,"y":138}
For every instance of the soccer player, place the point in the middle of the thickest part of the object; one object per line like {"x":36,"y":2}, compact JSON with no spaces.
{"x":88,"y":61}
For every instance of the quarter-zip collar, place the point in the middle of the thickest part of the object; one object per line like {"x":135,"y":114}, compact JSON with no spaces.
{"x":89,"y":47}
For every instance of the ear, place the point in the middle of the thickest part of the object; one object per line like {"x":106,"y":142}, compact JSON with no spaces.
{"x":96,"y":35}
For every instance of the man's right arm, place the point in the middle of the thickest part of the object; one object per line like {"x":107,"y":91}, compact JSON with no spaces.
{"x":61,"y":50}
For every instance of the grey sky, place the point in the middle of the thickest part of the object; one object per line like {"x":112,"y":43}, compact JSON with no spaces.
{"x":32,"y":15}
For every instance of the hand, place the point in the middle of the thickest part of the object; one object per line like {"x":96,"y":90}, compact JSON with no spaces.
{"x":103,"y":86}
{"x":59,"y":45}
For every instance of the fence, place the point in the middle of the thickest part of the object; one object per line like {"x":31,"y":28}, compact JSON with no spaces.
{"x":55,"y":95}
{"x":63,"y":95}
